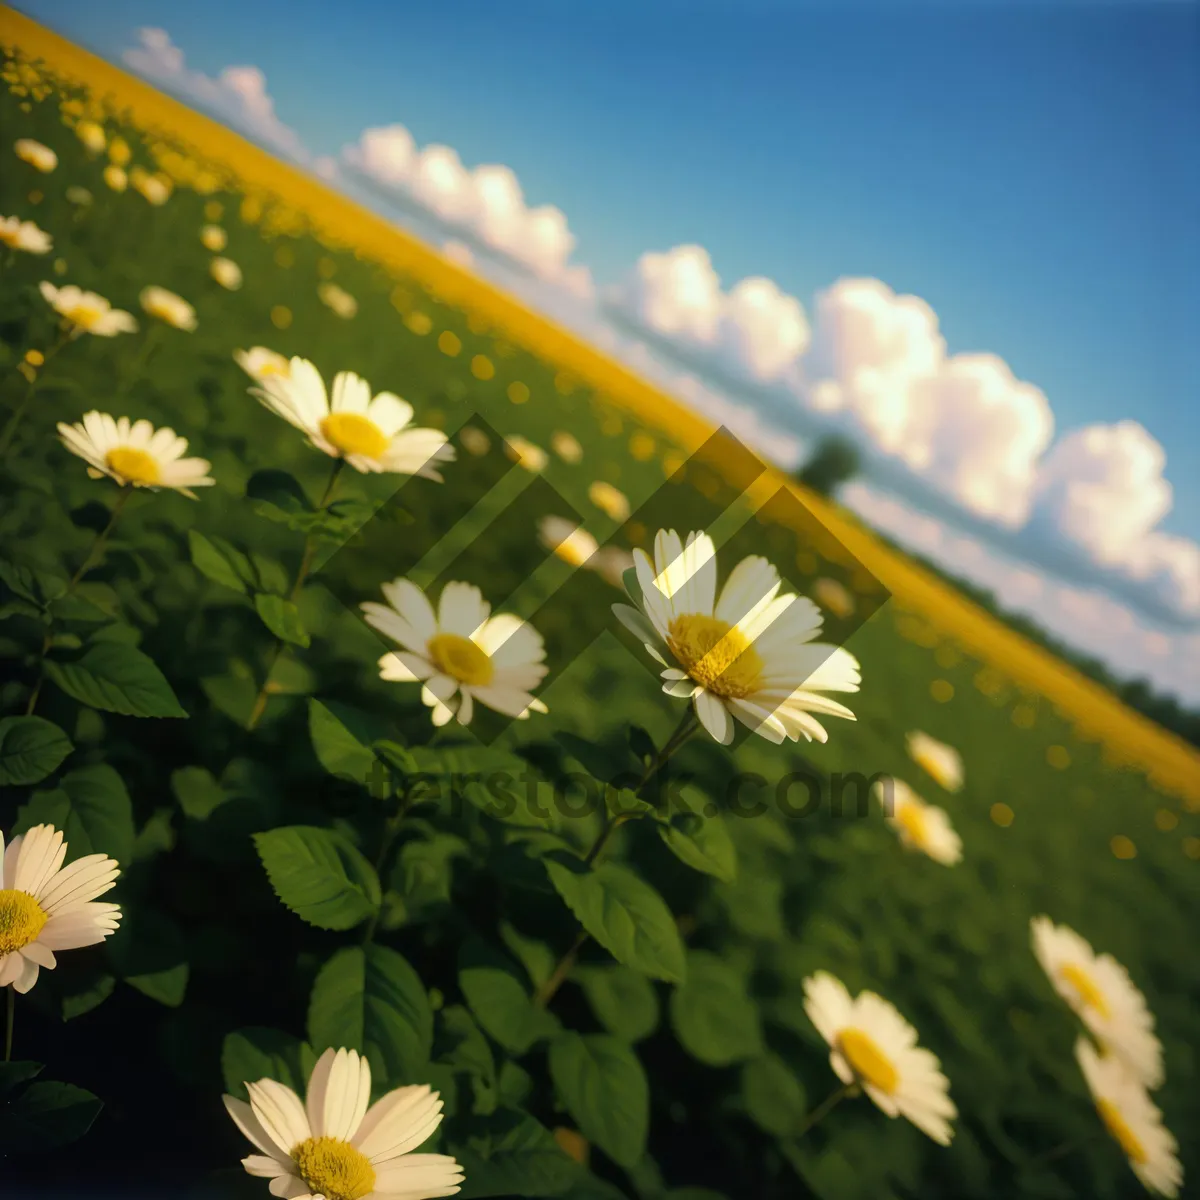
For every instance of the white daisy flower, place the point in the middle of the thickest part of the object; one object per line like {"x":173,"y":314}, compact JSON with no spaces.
{"x":45,"y":906}
{"x":461,"y":654}
{"x":1133,"y":1119}
{"x":833,"y":596}
{"x":572,"y":543}
{"x":609,"y":500}
{"x":115,"y":178}
{"x":525,"y":454}
{"x":370,"y":434}
{"x":748,"y":653}
{"x":566,"y":446}
{"x":334,"y":1147}
{"x":943,"y":762}
{"x":338,"y":299}
{"x":1100,"y":991}
{"x":135,"y":455}
{"x":40,"y":157}
{"x":920,"y":826}
{"x":612,"y":563}
{"x":873,"y":1046}
{"x":86,"y":312}
{"x":24,"y":235}
{"x":168,"y":308}
{"x":153,"y":188}
{"x":474,"y":441}
{"x":261,"y":364}
{"x":226,"y":272}
{"x":214,"y":238}
{"x":92,"y":136}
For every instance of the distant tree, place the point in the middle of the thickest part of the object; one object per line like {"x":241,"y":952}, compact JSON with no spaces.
{"x":834,"y":461}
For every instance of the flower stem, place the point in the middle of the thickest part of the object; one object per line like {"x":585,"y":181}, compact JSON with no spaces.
{"x":684,"y":730}
{"x":825,"y":1108}
{"x":8,"y":1022}
{"x":302,"y":573}
{"x":14,"y":421}
{"x":101,"y":540}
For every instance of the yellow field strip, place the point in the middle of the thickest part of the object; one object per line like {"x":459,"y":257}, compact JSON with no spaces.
{"x":1170,"y":763}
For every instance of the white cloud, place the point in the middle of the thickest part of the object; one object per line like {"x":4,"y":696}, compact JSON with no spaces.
{"x":238,"y":94}
{"x":756,"y":330}
{"x":486,"y":202}
{"x":1089,"y":618}
{"x":963,"y":423}
{"x":1103,"y":487}
{"x":1102,"y":491}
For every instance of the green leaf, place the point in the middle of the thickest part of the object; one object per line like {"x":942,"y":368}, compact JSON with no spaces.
{"x":198,"y":793}
{"x":282,"y":618}
{"x":248,"y":1055}
{"x":624,"y":914}
{"x":116,"y":679}
{"x":337,"y":749}
{"x":610,"y":765}
{"x":511,"y":1154}
{"x":773,"y":1096}
{"x":76,"y":1003}
{"x":536,"y":957}
{"x":278,"y":496}
{"x":423,"y":874}
{"x":367,"y":998}
{"x":218,"y":560}
{"x":319,"y":875}
{"x":93,"y":810}
{"x":149,"y":954}
{"x":271,"y":574}
{"x":604,"y":1088}
{"x":499,"y":1000}
{"x":698,"y":839}
{"x":32,"y":584}
{"x":30,"y":749}
{"x":624,"y":1001}
{"x":46,"y":1116}
{"x":13,"y":1074}
{"x":713,"y":1017}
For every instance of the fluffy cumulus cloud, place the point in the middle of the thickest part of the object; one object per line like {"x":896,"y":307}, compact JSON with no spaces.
{"x":237,"y":95}
{"x":755,"y":329}
{"x":963,"y":423}
{"x":486,"y":202}
{"x":1102,"y":490}
{"x":1089,"y":618}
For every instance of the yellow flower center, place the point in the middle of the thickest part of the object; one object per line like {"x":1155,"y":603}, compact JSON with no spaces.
{"x":867,"y":1061}
{"x":352,"y":433}
{"x":84,"y":315}
{"x":1117,"y":1126}
{"x":912,"y":821}
{"x":1085,"y":985}
{"x":135,"y":466}
{"x":716,"y":655}
{"x":21,"y":920}
{"x":334,"y":1169}
{"x":10,"y":237}
{"x":461,"y":658}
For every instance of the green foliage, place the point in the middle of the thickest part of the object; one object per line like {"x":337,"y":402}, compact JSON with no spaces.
{"x":713,"y":1015}
{"x":624,"y":914}
{"x":30,"y":749}
{"x":368,"y":998}
{"x":319,"y":875}
{"x":605,"y":1090}
{"x":118,"y":679}
{"x":336,"y":873}
{"x":93,"y":810}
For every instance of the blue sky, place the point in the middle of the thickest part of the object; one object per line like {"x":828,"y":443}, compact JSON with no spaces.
{"x":1029,"y":170}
